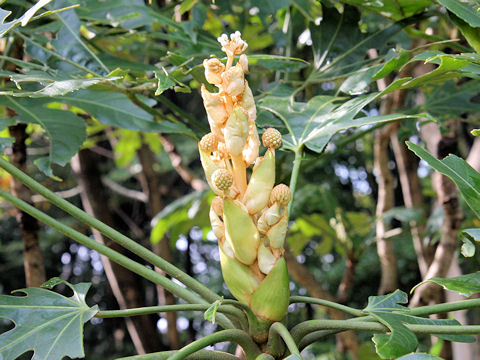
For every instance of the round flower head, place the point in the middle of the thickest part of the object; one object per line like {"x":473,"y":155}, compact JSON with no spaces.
{"x":272,"y":138}
{"x":209,"y":142}
{"x":222,"y":179}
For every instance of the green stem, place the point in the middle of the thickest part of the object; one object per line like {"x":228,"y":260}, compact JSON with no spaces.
{"x":420,"y":311}
{"x":280,"y":330}
{"x":310,"y":326}
{"x":199,"y":355}
{"x":295,"y":173}
{"x":330,"y":304}
{"x":111,"y":233}
{"x":237,"y":336}
{"x":131,"y":265}
{"x":159,"y":309}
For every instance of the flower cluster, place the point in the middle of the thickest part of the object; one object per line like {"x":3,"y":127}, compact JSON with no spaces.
{"x":249,"y":218}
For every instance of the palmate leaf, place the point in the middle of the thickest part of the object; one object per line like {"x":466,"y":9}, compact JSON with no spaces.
{"x":387,"y":309}
{"x":312,"y":124}
{"x":48,"y":323}
{"x":459,"y":171}
{"x":23,"y":20}
{"x":465,"y":285}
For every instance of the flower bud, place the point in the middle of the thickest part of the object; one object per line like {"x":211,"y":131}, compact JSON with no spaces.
{"x":280,"y":194}
{"x":240,"y":231}
{"x":266,"y":259}
{"x":217,"y":225}
{"x":213,"y":70}
{"x":250,"y":152}
{"x":261,"y":184}
{"x":209,"y":167}
{"x":209,"y":143}
{"x":247,"y":103}
{"x":236,"y":131}
{"x":215,"y":107}
{"x":239,"y":278}
{"x":244,"y":62}
{"x":270,"y":299}
{"x":222,"y":179}
{"x":233,"y":80}
{"x":272,"y":138}
{"x":276,"y":234}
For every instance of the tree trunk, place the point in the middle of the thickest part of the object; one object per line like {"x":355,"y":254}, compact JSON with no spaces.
{"x":124,"y":283}
{"x":162,"y":248}
{"x":33,"y":262}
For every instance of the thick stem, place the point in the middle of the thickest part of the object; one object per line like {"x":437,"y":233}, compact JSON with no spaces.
{"x":294,"y":177}
{"x":199,"y":355}
{"x":113,"y":234}
{"x":280,"y":330}
{"x":307,"y":327}
{"x":330,"y":304}
{"x":111,"y":254}
{"x":237,"y":336}
{"x":159,"y":309}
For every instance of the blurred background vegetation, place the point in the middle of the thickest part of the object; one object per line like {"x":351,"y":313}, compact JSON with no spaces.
{"x":123,"y":78}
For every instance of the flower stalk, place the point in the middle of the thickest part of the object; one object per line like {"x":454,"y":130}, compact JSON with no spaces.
{"x":250,"y":214}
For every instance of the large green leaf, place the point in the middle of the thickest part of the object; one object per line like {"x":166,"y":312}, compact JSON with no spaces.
{"x":458,"y":170}
{"x":448,"y":99}
{"x":470,"y":33}
{"x":312,"y":124}
{"x":50,"y":85}
{"x":48,"y":323}
{"x":465,"y":285}
{"x":65,"y":130}
{"x":387,"y":309}
{"x":116,"y":109}
{"x":468,"y":10}
{"x":419,"y":356}
{"x":5,"y":27}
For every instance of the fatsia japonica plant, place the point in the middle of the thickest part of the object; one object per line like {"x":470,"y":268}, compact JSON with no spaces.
{"x":250,"y":209}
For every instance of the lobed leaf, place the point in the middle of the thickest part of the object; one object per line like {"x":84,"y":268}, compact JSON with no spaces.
{"x":46,"y":322}
{"x":465,"y":285}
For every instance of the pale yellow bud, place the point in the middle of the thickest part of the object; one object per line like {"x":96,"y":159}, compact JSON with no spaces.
{"x":217,"y":205}
{"x":250,"y":152}
{"x":269,"y":217}
{"x":261,"y":183}
{"x":244,"y":62}
{"x":236,"y":131}
{"x":214,"y":106}
{"x":233,"y":80}
{"x":266,"y":259}
{"x":209,"y":167}
{"x":276,"y":234}
{"x":213,"y":70}
{"x":217,"y":224}
{"x":247,"y":102}
{"x":240,"y":231}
